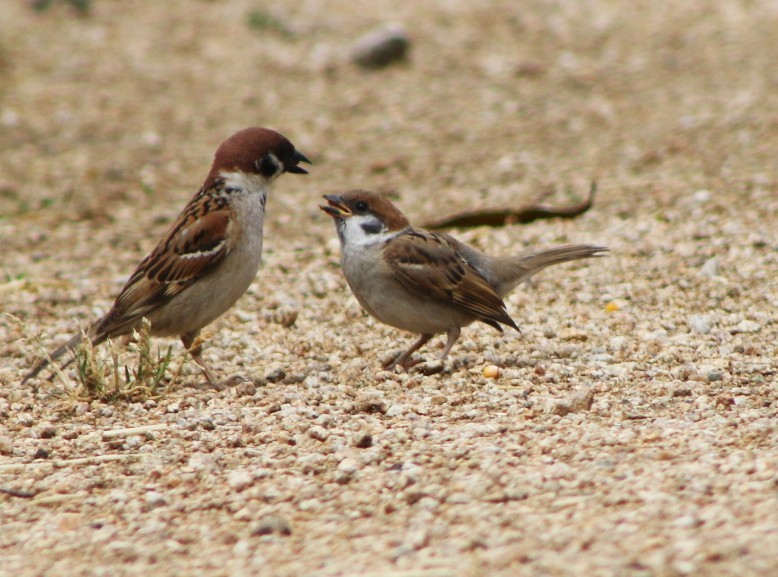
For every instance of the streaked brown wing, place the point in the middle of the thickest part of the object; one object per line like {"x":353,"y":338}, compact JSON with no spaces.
{"x":193,"y":246}
{"x":429,"y":265}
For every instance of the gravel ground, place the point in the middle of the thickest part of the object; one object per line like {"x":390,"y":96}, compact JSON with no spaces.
{"x":631,"y":429}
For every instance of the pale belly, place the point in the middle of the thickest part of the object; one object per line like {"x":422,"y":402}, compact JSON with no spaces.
{"x":208,"y":299}
{"x":213,"y":295}
{"x":392,"y":304}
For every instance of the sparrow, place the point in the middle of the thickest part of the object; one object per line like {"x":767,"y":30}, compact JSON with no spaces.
{"x":209,"y":256}
{"x":426,"y":282}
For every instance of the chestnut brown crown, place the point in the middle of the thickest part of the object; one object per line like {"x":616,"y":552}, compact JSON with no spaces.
{"x":362,"y":202}
{"x":257,"y":150}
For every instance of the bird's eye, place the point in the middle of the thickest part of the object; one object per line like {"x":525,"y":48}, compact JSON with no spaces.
{"x":267,"y":166}
{"x":362,"y":206}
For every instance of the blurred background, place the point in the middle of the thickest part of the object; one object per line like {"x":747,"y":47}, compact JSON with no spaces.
{"x":106,"y":106}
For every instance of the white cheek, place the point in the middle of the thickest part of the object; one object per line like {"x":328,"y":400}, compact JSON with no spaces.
{"x":249,"y":183}
{"x":355,"y":235}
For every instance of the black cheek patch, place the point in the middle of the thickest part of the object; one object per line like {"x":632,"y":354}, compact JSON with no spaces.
{"x":372,"y":227}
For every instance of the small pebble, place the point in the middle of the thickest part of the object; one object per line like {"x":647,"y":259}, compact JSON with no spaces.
{"x":396,"y":410}
{"x":275,"y":376}
{"x":711,"y":267}
{"x":381,"y":47}
{"x":240,"y":480}
{"x":284,"y":317}
{"x":363,"y":441}
{"x":6,"y":445}
{"x":699,"y":324}
{"x":270,"y":525}
{"x":41,"y":453}
{"x":47,"y":431}
{"x":244,"y":389}
{"x":371,"y":405}
{"x":680,"y":391}
{"x":133,"y":442}
{"x":318,"y":433}
{"x":25,"y":420}
{"x":746,"y":326}
{"x":618,"y":342}
{"x":347,"y":470}
{"x":155,"y":499}
{"x":429,"y":368}
{"x":577,"y":402}
{"x":206,"y":423}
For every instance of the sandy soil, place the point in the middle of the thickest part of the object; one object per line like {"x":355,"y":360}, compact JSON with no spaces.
{"x":632,"y":429}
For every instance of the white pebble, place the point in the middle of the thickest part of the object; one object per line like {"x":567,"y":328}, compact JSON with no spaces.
{"x":25,"y":420}
{"x":318,"y":433}
{"x":154,"y":499}
{"x":240,"y":479}
{"x":133,"y":442}
{"x":6,"y":446}
{"x":699,"y":324}
{"x":618,"y":342}
{"x":348,"y":465}
{"x":711,"y":267}
{"x":746,"y":326}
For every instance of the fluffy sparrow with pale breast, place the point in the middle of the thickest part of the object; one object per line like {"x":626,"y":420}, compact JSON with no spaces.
{"x":211,"y":253}
{"x":425,"y":282}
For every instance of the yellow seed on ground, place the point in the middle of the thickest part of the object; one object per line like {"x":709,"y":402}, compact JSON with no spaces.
{"x":491,"y":371}
{"x":612,"y":306}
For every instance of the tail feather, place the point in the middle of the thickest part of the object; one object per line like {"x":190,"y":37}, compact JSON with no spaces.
{"x":537,"y":261}
{"x":520,"y":268}
{"x":60,"y":351}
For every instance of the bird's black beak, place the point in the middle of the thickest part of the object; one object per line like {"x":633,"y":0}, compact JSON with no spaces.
{"x":336,"y":208}
{"x":297,"y":158}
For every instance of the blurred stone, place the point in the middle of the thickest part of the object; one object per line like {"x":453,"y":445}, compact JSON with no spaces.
{"x":318,"y":433}
{"x":275,"y":376}
{"x":240,"y":480}
{"x":381,"y":46}
{"x":271,"y":525}
{"x":427,"y":368}
{"x":155,"y":499}
{"x":699,"y":324}
{"x":577,"y":402}
{"x":711,"y":267}
{"x":746,"y":326}
{"x":364,"y":441}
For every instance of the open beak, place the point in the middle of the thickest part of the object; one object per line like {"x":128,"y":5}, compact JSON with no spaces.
{"x":296,"y":159}
{"x":335,"y":206}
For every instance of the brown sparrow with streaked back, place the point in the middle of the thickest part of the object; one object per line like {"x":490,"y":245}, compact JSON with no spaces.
{"x":425,"y":282}
{"x":211,"y":253}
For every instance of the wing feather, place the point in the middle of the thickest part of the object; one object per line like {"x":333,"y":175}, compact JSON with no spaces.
{"x":198,"y":241}
{"x":429,"y":265}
